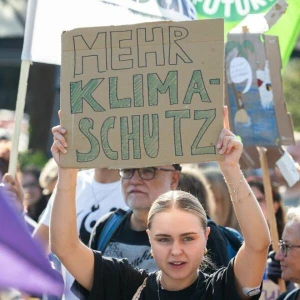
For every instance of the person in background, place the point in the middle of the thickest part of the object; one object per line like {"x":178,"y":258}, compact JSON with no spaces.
{"x":12,"y":184}
{"x":48,"y":177}
{"x":5,"y":146}
{"x":34,"y":200}
{"x":193,"y":181}
{"x":273,"y":271}
{"x":288,"y":253}
{"x":224,"y":212}
{"x":258,"y":189}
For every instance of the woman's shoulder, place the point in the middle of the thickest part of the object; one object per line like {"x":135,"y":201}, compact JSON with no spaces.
{"x":218,"y":285}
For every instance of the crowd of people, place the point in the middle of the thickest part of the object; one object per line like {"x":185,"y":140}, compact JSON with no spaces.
{"x":158,"y":232}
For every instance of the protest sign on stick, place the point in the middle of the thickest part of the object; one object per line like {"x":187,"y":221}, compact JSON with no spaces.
{"x":140,"y":95}
{"x":255,"y":92}
{"x":270,"y":206}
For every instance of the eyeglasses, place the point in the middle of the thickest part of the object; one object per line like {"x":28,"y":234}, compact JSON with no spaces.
{"x":144,"y":173}
{"x":284,"y":247}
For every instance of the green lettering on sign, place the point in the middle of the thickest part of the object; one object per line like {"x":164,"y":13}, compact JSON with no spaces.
{"x":138,"y":93}
{"x":208,"y":116}
{"x":230,"y":10}
{"x":85,"y":125}
{"x":114,"y":101}
{"x":151,"y":141}
{"x":155,"y":86}
{"x":196,"y":86}
{"x":134,"y":136}
{"x":106,"y":126}
{"x":177,"y":115}
{"x":78,"y":94}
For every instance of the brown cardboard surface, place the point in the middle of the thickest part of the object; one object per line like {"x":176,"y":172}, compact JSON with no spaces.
{"x":250,"y":157}
{"x":142,"y":95}
{"x":284,"y":120}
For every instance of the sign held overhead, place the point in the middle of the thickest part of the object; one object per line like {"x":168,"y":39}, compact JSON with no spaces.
{"x":142,"y":95}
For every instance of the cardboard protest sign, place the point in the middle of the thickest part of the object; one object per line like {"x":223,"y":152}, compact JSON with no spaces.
{"x":255,"y":94}
{"x":142,"y":95}
{"x":250,"y":157}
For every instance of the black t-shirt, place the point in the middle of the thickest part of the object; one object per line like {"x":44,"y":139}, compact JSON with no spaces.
{"x":118,"y":280}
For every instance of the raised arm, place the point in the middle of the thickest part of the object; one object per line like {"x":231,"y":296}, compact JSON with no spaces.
{"x":250,"y":261}
{"x":64,"y":240}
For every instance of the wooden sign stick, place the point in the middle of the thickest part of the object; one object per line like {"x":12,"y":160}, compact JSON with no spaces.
{"x":22,"y":89}
{"x":270,"y":206}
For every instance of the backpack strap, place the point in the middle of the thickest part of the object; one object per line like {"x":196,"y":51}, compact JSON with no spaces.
{"x":291,"y":293}
{"x":110,"y":228}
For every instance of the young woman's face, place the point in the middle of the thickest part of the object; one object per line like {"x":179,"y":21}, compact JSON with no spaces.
{"x":178,"y":242}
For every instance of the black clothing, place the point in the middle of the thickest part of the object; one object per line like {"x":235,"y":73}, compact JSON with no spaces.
{"x":293,"y":296}
{"x":118,"y":280}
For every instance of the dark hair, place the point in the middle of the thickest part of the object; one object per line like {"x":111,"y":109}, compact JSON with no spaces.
{"x":225,"y":214}
{"x":193,"y":181}
{"x":32,"y":170}
{"x":3,"y":166}
{"x":34,"y":210}
{"x":280,"y":214}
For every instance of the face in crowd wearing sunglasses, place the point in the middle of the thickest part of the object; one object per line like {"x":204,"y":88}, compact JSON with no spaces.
{"x":142,"y":186}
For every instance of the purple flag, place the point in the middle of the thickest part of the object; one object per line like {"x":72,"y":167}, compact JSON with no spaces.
{"x":23,"y":263}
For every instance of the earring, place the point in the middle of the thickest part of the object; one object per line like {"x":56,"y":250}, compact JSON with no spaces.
{"x":151,"y":253}
{"x":205,"y":251}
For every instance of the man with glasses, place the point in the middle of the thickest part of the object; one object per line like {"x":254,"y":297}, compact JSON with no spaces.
{"x":288,"y":253}
{"x":141,"y":187}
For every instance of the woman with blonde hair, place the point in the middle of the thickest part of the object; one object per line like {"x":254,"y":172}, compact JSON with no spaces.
{"x":178,"y":232}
